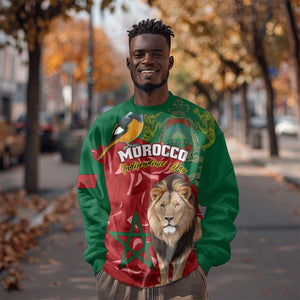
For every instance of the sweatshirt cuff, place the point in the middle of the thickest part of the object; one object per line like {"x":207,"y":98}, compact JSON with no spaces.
{"x":203,"y":262}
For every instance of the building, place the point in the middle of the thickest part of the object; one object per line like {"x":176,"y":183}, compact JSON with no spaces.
{"x":13,"y":80}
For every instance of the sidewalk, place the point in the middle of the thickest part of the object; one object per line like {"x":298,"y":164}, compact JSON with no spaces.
{"x":55,"y":176}
{"x":55,"y":267}
{"x":286,"y":167}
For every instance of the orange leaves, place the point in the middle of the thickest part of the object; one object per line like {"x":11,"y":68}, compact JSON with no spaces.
{"x":208,"y":41}
{"x":22,"y":220}
{"x":68,"y":42}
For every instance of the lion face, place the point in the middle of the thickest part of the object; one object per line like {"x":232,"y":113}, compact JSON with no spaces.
{"x":171,"y":211}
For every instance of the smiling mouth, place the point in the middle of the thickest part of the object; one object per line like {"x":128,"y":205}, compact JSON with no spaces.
{"x":148,"y":72}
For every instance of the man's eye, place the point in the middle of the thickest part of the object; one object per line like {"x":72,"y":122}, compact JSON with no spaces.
{"x":157,"y":54}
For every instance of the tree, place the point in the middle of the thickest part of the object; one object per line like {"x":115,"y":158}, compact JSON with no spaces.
{"x":67,"y":42}
{"x":30,"y":20}
{"x":294,"y":51}
{"x":253,"y":18}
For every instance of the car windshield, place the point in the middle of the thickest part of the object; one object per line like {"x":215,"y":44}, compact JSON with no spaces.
{"x":288,"y":119}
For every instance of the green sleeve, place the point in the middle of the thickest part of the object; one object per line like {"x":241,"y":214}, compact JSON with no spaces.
{"x":218,"y":192}
{"x":95,"y":208}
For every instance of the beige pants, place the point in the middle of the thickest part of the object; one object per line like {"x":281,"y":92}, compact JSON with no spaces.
{"x":192,"y":286}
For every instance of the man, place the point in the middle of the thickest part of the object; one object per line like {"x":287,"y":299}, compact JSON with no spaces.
{"x":145,"y":166}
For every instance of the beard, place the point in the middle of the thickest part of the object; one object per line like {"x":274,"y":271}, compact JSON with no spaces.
{"x":148,"y":87}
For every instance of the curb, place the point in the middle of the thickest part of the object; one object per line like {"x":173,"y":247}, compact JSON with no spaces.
{"x":292,"y":180}
{"x":289,"y":179}
{"x":265,"y":164}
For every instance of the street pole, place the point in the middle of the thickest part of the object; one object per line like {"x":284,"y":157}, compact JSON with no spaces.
{"x":90,"y":82}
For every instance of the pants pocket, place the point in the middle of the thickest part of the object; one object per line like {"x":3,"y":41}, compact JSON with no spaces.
{"x":99,"y":274}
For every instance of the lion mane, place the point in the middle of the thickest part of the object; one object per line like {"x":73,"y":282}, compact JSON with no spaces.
{"x":174,"y":224}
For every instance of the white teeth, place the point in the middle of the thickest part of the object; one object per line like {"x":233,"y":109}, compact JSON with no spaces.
{"x":148,"y":71}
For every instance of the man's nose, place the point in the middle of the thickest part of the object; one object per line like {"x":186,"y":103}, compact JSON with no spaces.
{"x":147,"y":58}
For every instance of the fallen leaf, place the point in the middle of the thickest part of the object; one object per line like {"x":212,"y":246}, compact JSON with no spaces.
{"x":32,"y":259}
{"x":80,"y":244}
{"x":262,"y":240}
{"x":52,"y":261}
{"x":266,"y":291}
{"x":55,"y":283}
{"x":69,"y":226}
{"x":297,"y":212}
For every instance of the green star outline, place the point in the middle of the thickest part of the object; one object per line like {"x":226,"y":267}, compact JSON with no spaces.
{"x":131,"y":234}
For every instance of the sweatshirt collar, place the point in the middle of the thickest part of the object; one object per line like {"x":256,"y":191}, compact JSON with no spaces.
{"x":150,"y":109}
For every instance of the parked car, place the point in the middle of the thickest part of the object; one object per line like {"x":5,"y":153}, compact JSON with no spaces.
{"x":47,"y":131}
{"x":286,"y":125}
{"x":12,"y":144}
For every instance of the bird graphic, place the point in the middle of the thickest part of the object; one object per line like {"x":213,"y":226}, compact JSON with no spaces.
{"x":126,"y":131}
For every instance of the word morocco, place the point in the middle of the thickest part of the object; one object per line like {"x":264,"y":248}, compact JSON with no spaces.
{"x":154,"y":150}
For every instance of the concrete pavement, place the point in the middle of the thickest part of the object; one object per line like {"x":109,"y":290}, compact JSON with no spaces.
{"x":265,"y":252}
{"x":286,"y":167}
{"x":55,"y":269}
{"x":55,"y":176}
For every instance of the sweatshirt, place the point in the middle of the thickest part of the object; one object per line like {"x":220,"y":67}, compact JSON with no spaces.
{"x":157,"y":192}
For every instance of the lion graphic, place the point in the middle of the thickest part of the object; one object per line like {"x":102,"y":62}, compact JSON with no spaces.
{"x":174,"y":224}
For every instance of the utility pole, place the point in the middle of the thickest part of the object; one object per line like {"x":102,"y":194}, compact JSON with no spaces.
{"x":90,"y":82}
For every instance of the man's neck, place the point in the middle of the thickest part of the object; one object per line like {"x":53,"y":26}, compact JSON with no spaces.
{"x":152,"y":98}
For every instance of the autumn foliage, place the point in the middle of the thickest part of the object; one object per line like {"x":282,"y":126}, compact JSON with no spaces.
{"x":23,"y":220}
{"x":68,"y":42}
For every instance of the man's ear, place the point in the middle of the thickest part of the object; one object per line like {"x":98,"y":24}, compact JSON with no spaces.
{"x":128,"y":62}
{"x":171,"y":62}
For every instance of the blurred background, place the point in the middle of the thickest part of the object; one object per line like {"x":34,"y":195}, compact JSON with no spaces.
{"x":62,"y":63}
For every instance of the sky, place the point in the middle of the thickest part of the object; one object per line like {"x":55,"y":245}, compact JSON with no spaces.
{"x":116,"y":24}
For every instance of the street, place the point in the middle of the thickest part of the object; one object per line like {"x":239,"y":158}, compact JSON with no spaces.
{"x":265,"y":253}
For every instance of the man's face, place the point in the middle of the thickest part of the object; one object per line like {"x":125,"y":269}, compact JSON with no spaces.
{"x":149,"y":61}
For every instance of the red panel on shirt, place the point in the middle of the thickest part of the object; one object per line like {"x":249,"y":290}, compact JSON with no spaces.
{"x":87,"y":181}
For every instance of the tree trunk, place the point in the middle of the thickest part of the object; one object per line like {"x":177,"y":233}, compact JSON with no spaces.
{"x":219,"y":113}
{"x":294,"y":49}
{"x":228,"y":112}
{"x":201,"y":89}
{"x":273,"y":145}
{"x":245,"y":113}
{"x":32,"y":147}
{"x":259,"y":54}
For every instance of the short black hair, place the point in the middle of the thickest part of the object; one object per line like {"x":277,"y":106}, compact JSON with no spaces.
{"x":152,"y":26}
